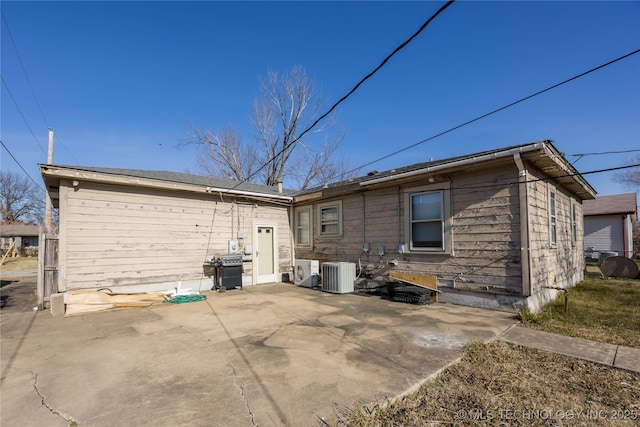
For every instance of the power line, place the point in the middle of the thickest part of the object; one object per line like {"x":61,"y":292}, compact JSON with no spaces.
{"x":335,"y":105}
{"x":20,"y":165}
{"x":570,"y":175}
{"x":496,"y":110}
{"x":579,"y":156}
{"x":365,"y":78}
{"x":59,"y":141}
{"x":33,"y":93}
{"x":24,"y":70}
{"x":22,"y":115}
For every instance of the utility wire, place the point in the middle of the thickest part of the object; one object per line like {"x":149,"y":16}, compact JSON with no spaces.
{"x":368,"y":76}
{"x":496,"y":110}
{"x":22,"y":115}
{"x":20,"y":165}
{"x":581,"y":155}
{"x":24,"y":70}
{"x":33,"y":93}
{"x":550,"y":178}
{"x":335,"y":105}
{"x":59,"y":141}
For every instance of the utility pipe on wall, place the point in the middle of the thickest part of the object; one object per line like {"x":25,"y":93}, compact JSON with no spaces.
{"x":525,"y":249}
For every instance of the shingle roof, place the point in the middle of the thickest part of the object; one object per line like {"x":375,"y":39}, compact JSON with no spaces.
{"x":374,"y":174}
{"x":185,"y":178}
{"x":608,"y":205}
{"x":452,"y":161}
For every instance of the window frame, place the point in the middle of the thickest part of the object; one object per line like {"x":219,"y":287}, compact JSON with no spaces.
{"x":337,"y":204}
{"x":574,"y":223}
{"x":444,"y":189}
{"x":553,"y":217}
{"x":309,"y":228}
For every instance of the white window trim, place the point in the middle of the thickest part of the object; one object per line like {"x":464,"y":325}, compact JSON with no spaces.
{"x":553,"y":218}
{"x":447,"y":243}
{"x":296,"y":229}
{"x":338,"y":204}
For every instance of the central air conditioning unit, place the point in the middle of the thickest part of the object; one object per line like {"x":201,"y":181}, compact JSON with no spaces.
{"x":306,"y":273}
{"x":338,"y":277}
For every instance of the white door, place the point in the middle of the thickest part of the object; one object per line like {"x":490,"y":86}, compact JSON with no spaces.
{"x":265,"y":256}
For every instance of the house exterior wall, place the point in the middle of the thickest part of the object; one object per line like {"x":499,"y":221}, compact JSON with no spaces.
{"x":559,"y":265}
{"x":114,"y":236}
{"x":605,"y":233}
{"x":484,"y":227}
{"x":23,"y":239}
{"x":7,"y":242}
{"x":484,"y":264}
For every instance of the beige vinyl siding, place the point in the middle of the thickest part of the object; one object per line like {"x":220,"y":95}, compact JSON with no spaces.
{"x":605,"y":233}
{"x":116,"y":235}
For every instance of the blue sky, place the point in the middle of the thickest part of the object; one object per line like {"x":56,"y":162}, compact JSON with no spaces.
{"x":122,"y":83}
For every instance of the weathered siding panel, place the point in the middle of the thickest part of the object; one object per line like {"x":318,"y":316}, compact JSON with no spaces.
{"x":126,"y":236}
{"x":559,"y":265}
{"x":487,"y":237}
{"x":485,"y":233}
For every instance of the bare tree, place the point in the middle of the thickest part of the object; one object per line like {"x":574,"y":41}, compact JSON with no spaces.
{"x":224,"y":155}
{"x":630,"y":178}
{"x":21,"y":201}
{"x":288,"y":105}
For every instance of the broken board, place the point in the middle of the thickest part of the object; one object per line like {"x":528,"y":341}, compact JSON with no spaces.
{"x":417,"y":279}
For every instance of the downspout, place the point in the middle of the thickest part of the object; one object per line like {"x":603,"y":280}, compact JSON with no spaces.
{"x":364,"y":219}
{"x":525,"y":249}
{"x":292,"y":240}
{"x":400,"y":240}
{"x":625,"y":231}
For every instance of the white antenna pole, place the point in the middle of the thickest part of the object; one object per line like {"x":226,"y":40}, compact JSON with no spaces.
{"x":47,"y":199}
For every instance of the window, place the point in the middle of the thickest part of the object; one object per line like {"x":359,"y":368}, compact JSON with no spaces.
{"x":330,"y":219}
{"x":428,"y":219}
{"x":303,"y":226}
{"x":574,"y":224}
{"x":553,"y":220}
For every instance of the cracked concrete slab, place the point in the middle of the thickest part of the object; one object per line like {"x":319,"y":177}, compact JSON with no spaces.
{"x":267,"y":355}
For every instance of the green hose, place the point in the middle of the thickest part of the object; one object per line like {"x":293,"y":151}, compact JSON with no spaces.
{"x":180,"y":299}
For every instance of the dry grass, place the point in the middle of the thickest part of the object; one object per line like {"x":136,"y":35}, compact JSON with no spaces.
{"x":599,"y":310}
{"x":500,"y":384}
{"x":28,"y":263}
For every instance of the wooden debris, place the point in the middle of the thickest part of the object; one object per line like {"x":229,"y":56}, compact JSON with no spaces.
{"x":87,"y":301}
{"x":416,"y":279}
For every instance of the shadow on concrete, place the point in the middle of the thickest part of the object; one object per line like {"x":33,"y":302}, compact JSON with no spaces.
{"x":18,"y":293}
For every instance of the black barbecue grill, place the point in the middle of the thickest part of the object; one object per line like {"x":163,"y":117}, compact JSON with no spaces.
{"x":226,"y":271}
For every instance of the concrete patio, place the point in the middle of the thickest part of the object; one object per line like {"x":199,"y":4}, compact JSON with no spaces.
{"x":268,"y":355}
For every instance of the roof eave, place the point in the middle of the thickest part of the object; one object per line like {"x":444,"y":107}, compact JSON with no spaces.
{"x":52,"y":175}
{"x":562,"y":171}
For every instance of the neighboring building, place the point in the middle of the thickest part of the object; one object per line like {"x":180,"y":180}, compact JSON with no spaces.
{"x":608,"y":224}
{"x":133,"y":230}
{"x":24,"y":236}
{"x":497,"y":228}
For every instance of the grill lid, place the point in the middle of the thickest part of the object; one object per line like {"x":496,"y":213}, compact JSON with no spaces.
{"x":231,"y":259}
